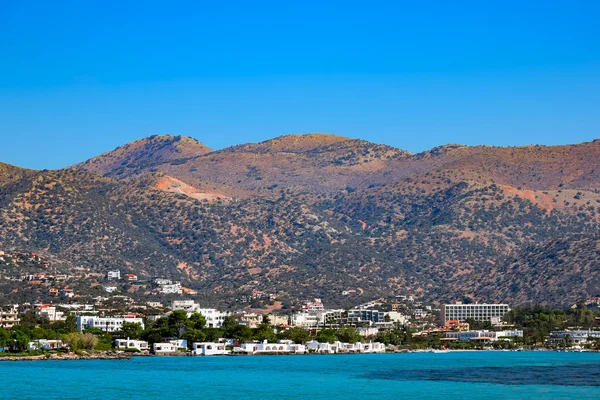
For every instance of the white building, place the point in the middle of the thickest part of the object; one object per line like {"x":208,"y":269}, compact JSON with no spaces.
{"x":324,"y":348}
{"x":281,"y":347}
{"x":9,"y":317}
{"x":189,"y":306}
{"x":107,"y":324}
{"x":575,"y":337}
{"x":339,"y":347}
{"x":51,"y":314}
{"x":478,"y":312}
{"x":164,"y":348}
{"x":110,"y":289}
{"x":484,"y":336}
{"x":162,"y":281}
{"x":130,"y":344}
{"x":114,"y":275}
{"x":210,"y":349}
{"x":45,"y":344}
{"x":174,"y":288}
{"x":214,"y":318}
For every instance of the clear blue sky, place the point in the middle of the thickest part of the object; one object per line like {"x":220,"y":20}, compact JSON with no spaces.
{"x":80,"y":78}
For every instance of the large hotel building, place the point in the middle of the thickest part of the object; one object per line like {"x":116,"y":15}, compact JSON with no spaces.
{"x":479,"y":312}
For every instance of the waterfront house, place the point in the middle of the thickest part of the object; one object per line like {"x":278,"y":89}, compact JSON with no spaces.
{"x":130,"y":344}
{"x":281,"y":347}
{"x":576,"y":338}
{"x":164,"y":348}
{"x":483,"y":336}
{"x":323,"y":348}
{"x":45,"y":344}
{"x":210,"y":349}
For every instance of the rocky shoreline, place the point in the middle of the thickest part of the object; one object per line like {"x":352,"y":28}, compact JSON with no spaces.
{"x":67,"y":356}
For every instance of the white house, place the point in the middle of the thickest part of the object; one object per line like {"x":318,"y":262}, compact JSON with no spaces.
{"x":130,"y":344}
{"x":162,"y":281}
{"x":575,"y":337}
{"x":210,"y":349}
{"x":164,"y":348}
{"x":45,"y":344}
{"x":116,"y":275}
{"x":281,"y":347}
{"x":372,"y":347}
{"x":174,"y":288}
{"x":483,"y":336}
{"x":325,"y":348}
{"x":107,"y":324}
{"x":214,"y":318}
{"x":50,"y":314}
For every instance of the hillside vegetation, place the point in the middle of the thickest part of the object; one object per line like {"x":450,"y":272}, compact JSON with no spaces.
{"x":314,"y":215}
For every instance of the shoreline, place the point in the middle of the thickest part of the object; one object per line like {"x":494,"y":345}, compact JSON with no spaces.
{"x":124,"y":356}
{"x":65,"y":357}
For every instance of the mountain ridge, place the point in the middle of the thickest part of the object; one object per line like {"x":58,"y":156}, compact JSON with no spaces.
{"x":313,"y":216}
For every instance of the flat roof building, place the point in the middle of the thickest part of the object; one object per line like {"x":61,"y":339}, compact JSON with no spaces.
{"x":478,"y":312}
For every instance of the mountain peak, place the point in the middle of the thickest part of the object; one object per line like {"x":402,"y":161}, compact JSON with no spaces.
{"x":144,"y":152}
{"x":300,"y":142}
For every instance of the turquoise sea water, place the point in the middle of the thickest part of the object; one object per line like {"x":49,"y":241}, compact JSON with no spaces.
{"x":454,"y":375}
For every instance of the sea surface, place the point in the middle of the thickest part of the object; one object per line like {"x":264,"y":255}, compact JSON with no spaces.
{"x":452,"y":375}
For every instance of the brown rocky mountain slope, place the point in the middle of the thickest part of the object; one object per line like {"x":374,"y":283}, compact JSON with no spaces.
{"x":313,"y":215}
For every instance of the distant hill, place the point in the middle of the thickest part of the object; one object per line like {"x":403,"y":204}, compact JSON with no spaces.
{"x":314,"y":215}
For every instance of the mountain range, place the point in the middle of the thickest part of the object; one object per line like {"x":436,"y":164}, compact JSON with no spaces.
{"x":316,"y":215}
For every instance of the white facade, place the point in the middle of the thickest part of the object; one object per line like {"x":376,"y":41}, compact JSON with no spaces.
{"x":397,"y":317}
{"x":479,"y":312}
{"x":164,"y":348}
{"x":339,"y":347}
{"x":210,"y":349}
{"x":575,"y":337}
{"x":130,"y":344}
{"x":174,"y":288}
{"x":107,"y":324}
{"x":325,"y":348}
{"x":214,"y":318}
{"x":116,"y":275}
{"x":282,"y":347}
{"x":51,"y":314}
{"x":9,"y":317}
{"x":488,"y":336}
{"x":45,"y":344}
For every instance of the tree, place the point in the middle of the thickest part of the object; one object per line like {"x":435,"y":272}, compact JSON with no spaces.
{"x":80,"y":341}
{"x":177,"y":322}
{"x":4,"y":338}
{"x":241,"y":333}
{"x":130,"y":330}
{"x":196,"y":321}
{"x":326,"y":336}
{"x":20,"y":341}
{"x":265,"y":332}
{"x":194,"y":336}
{"x":349,"y":334}
{"x":297,"y":335}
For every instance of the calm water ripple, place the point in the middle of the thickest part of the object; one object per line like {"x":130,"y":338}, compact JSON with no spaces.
{"x":456,"y":375}
{"x":561,"y":375}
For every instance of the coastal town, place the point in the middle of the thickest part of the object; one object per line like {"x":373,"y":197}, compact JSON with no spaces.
{"x":184,"y":327}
